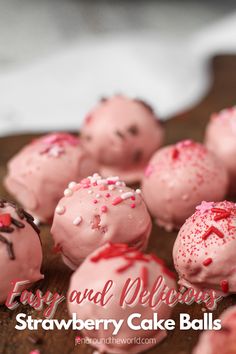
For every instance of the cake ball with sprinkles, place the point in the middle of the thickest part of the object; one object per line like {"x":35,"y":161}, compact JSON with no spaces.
{"x":204,"y":251}
{"x":221,"y":140}
{"x":118,"y":266}
{"x":96,"y":211}
{"x":178,"y":177}
{"x":121,"y":134}
{"x":221,"y":341}
{"x":20,"y":247}
{"x":39,"y":173}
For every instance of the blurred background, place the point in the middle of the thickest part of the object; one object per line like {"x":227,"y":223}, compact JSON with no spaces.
{"x":57,"y":57}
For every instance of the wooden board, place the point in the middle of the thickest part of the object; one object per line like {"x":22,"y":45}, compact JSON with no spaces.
{"x":187,"y":125}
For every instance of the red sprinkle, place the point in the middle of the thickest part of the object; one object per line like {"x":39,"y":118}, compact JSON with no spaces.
{"x":211,"y":230}
{"x":95,"y":201}
{"x":224,"y":286}
{"x":5,"y":219}
{"x":144,"y":276}
{"x":207,"y":262}
{"x":117,"y":200}
{"x":104,"y":209}
{"x":133,"y":206}
{"x":133,"y":197}
{"x":175,"y":154}
{"x":221,"y":213}
{"x":125,"y":267}
{"x":107,"y":195}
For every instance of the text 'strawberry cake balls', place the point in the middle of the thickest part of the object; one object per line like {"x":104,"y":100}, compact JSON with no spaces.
{"x":118,"y":263}
{"x":40,"y":172}
{"x":221,"y":140}
{"x":121,"y":134}
{"x":178,"y":177}
{"x":20,"y":247}
{"x":204,"y":251}
{"x":96,"y":211}
{"x":222,"y":341}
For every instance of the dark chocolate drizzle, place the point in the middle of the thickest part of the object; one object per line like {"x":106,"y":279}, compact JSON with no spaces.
{"x":9,"y":245}
{"x":145,"y":104}
{"x":133,"y":129}
{"x":119,"y":134}
{"x":23,"y":215}
{"x":103,"y":99}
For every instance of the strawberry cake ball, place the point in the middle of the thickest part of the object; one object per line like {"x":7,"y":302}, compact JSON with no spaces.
{"x":204,"y":251}
{"x":178,"y":177}
{"x":20,"y":248}
{"x":119,"y":264}
{"x":222,"y":341}
{"x":121,"y":134}
{"x":40,"y":172}
{"x":221,"y":139}
{"x":96,"y":211}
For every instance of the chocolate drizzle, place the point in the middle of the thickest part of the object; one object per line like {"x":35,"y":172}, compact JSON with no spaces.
{"x":23,"y":215}
{"x":9,"y":247}
{"x":133,"y":130}
{"x":119,"y":134}
{"x":145,"y":104}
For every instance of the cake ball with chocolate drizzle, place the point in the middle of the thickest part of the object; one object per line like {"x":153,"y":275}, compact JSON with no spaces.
{"x":221,"y":341}
{"x":20,"y":247}
{"x":221,"y":140}
{"x":178,"y":177}
{"x":204,"y":251}
{"x":118,"y":264}
{"x":96,"y":211}
{"x":121,"y":134}
{"x":40,"y":172}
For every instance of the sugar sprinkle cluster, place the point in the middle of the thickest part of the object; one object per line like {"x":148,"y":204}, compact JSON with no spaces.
{"x":99,"y":189}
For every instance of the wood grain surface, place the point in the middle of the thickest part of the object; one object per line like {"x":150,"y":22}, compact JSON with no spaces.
{"x":190,"y":124}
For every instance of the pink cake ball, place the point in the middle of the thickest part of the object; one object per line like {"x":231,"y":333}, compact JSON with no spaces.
{"x":221,"y":139}
{"x":178,"y":177}
{"x":20,"y":247}
{"x":222,"y":341}
{"x":121,"y":134}
{"x":40,"y":172}
{"x":204,"y":251}
{"x":96,"y":211}
{"x":118,"y":263}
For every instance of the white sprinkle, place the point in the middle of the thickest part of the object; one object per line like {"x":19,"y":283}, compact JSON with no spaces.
{"x":102,"y":181}
{"x":98,"y":195}
{"x":90,"y":191}
{"x":96,"y":175}
{"x":77,"y":221}
{"x":138,"y":191}
{"x":72,"y":184}
{"x":118,"y":183}
{"x":121,"y":190}
{"x":60,"y":210}
{"x":113,"y":178}
{"x":111,"y":187}
{"x":127,"y":195}
{"x":68,"y":192}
